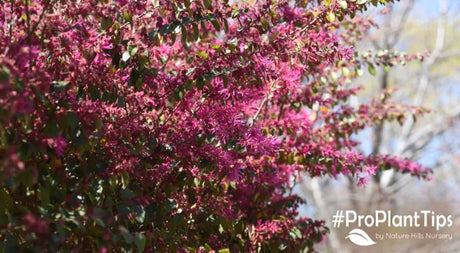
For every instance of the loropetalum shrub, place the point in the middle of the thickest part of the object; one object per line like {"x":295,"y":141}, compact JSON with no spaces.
{"x":180,"y":125}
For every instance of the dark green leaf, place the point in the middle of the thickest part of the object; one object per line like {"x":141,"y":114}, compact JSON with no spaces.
{"x":152,"y":35}
{"x":196,"y":32}
{"x":273,"y":36}
{"x":207,"y":3}
{"x":140,"y":242}
{"x":5,"y":199}
{"x":183,"y":38}
{"x":164,"y":29}
{"x":45,"y":195}
{"x":174,"y":27}
{"x":127,"y":193}
{"x":106,"y":23}
{"x":127,"y":236}
{"x":51,"y":129}
{"x":216,"y":25}
{"x":225,"y":25}
{"x":4,"y":74}
{"x":200,"y":83}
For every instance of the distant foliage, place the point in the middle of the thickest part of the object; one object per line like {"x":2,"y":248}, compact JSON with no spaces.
{"x":179,"y":125}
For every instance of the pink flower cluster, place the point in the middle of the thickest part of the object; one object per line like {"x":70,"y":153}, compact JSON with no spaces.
{"x":178,"y":125}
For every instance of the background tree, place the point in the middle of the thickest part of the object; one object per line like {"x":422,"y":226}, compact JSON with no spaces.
{"x":412,"y":26}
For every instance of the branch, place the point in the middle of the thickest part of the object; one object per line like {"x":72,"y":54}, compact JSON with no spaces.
{"x":262,"y":104}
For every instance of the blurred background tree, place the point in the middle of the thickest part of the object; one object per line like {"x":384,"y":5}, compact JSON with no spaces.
{"x":433,"y":140}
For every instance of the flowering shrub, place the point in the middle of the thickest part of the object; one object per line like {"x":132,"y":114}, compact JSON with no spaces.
{"x":179,"y":125}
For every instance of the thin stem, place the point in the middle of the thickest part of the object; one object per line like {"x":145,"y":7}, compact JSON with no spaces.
{"x":28,"y":20}
{"x":262,"y":104}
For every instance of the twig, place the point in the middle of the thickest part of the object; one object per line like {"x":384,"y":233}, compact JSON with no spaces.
{"x":45,"y":8}
{"x":263,"y":102}
{"x":28,"y":20}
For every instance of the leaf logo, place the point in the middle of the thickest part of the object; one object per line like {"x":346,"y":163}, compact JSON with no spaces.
{"x":359,"y":237}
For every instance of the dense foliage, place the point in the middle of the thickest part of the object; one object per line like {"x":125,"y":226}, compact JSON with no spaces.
{"x":180,"y":125}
